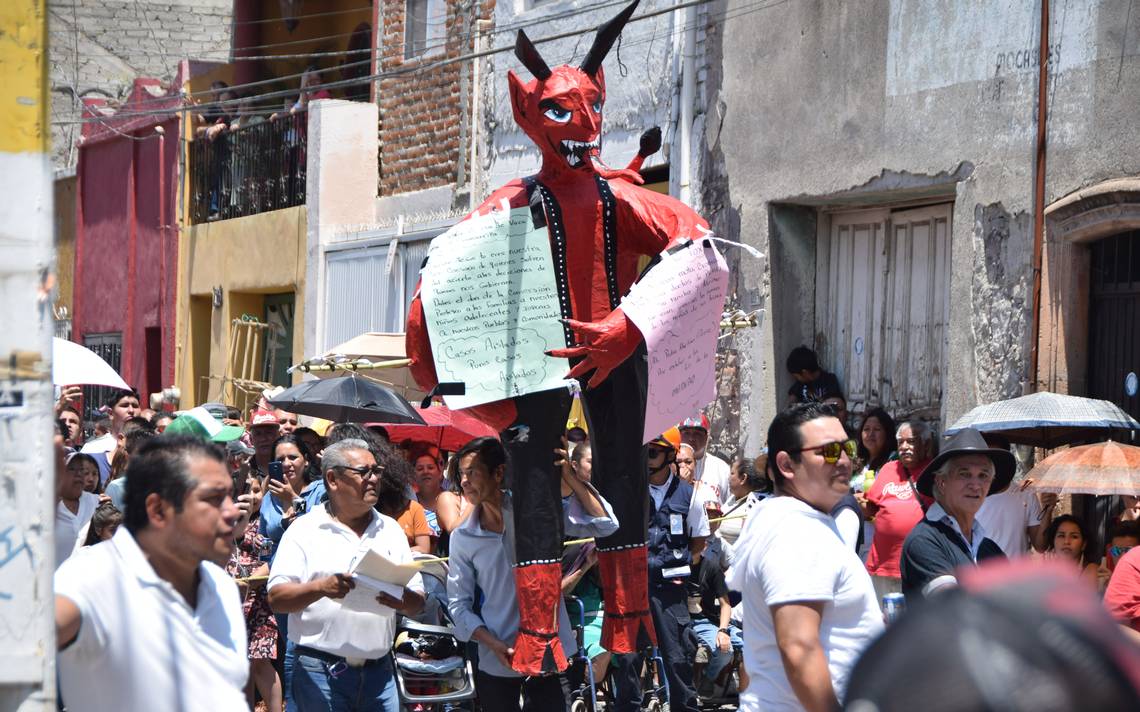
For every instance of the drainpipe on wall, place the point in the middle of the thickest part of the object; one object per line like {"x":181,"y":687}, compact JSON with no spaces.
{"x":1039,"y":190}
{"x":688,"y":20}
{"x":162,"y":321}
{"x":473,"y":194}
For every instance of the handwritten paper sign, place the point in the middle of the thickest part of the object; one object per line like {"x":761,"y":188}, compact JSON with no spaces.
{"x":489,"y":293}
{"x":677,"y":306}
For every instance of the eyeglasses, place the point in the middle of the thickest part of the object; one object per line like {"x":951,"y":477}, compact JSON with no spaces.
{"x":656,"y":451}
{"x":365,"y":472}
{"x":1119,"y":551}
{"x":832,"y":451}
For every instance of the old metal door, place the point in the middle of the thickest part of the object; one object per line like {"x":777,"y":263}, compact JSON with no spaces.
{"x":1114,"y":321}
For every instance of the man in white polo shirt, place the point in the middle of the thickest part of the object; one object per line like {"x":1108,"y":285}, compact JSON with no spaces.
{"x":809,"y":605}
{"x":343,"y":631}
{"x":149,"y":620}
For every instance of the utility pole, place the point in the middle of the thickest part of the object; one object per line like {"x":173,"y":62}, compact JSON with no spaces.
{"x":27,"y":458}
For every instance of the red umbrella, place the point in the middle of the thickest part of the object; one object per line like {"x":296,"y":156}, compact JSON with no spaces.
{"x":446,"y":429}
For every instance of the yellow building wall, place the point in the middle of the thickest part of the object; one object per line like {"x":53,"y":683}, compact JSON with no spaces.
{"x":246,"y":258}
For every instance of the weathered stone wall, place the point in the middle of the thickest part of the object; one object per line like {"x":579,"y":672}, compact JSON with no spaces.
{"x":97,"y":48}
{"x":818,"y":98}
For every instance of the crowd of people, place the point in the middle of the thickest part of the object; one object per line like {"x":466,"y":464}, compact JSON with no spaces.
{"x":207,"y":559}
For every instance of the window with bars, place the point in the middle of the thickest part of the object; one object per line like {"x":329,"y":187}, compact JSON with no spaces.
{"x":109,"y":347}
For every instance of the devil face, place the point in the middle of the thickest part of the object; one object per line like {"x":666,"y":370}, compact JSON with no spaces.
{"x":562,"y":115}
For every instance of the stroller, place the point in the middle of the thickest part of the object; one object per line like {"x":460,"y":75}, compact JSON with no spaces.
{"x":433,"y":673}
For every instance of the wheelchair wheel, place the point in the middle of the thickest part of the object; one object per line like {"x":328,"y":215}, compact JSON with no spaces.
{"x":579,"y":706}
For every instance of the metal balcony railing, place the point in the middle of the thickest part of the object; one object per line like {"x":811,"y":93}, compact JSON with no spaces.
{"x":250,"y":170}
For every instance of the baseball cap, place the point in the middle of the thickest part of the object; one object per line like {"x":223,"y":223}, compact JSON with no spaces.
{"x":199,"y":423}
{"x":701,"y":421}
{"x":218,"y":410}
{"x":264,"y":417}
{"x":669,"y":438}
{"x":237,"y":447}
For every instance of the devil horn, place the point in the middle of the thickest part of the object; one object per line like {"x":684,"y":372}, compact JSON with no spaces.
{"x":604,"y":40}
{"x":529,"y":56}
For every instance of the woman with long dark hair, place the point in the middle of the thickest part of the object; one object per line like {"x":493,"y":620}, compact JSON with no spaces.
{"x":300,"y":489}
{"x":1067,"y":539}
{"x":394,"y":500}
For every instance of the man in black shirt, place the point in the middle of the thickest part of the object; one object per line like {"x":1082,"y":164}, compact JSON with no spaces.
{"x":812,"y":382}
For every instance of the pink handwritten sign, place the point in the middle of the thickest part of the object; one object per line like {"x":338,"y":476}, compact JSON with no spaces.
{"x":677,"y":306}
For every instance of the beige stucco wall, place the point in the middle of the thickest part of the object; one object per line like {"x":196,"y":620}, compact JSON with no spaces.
{"x":247,"y":257}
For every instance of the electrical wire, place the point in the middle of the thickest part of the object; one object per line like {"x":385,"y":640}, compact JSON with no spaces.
{"x":429,"y":66}
{"x":465,"y":39}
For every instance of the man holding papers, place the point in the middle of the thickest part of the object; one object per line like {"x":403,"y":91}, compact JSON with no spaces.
{"x":343,"y":623}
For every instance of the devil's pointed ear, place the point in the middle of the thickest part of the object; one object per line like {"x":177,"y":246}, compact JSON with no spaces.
{"x":518,"y":92}
{"x":604,"y":40}
{"x":529,"y":56}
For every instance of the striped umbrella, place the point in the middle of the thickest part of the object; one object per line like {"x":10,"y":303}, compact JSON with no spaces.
{"x":1102,"y":468}
{"x":1048,"y":420}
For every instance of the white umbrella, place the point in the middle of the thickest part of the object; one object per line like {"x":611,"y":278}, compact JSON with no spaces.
{"x":73,"y":364}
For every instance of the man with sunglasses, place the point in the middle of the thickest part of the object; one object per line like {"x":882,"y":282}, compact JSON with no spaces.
{"x":342,"y":631}
{"x":809,"y":606}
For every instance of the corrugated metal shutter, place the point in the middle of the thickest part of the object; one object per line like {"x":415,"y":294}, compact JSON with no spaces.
{"x":882,"y":309}
{"x":360,"y":295}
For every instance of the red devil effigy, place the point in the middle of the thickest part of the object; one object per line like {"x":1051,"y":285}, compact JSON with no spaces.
{"x":600,"y":222}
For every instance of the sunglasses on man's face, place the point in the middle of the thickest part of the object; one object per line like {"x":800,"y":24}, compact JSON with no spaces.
{"x":831,"y":451}
{"x":1119,"y":551}
{"x":656,"y":451}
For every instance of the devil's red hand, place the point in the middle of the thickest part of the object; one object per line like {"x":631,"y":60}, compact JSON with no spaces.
{"x":605,"y":344}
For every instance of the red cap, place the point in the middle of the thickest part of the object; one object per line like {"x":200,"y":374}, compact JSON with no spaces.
{"x":264,"y":417}
{"x":701,"y":422}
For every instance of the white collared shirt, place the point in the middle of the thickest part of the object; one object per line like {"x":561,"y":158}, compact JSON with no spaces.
{"x":140,"y":645}
{"x":68,"y":525}
{"x":937,"y":514}
{"x":315,"y":546}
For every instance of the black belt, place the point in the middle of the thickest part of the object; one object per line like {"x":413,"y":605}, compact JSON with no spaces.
{"x":334,"y":659}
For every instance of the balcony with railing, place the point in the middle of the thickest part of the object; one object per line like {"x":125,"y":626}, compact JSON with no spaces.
{"x":249,"y":170}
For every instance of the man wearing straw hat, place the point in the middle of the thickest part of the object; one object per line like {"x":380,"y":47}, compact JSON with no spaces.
{"x":949,"y":536}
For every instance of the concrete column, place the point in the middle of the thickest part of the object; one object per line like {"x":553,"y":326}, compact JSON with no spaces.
{"x":27,"y":474}
{"x":343,"y":168}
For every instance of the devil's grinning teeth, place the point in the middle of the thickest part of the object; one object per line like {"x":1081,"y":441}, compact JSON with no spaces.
{"x":576,"y":151}
{"x":578,"y":146}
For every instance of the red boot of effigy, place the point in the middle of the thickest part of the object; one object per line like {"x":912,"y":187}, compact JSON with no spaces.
{"x":538,"y":650}
{"x":627,"y":626}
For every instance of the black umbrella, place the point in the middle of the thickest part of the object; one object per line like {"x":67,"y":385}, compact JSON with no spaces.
{"x":347,"y":399}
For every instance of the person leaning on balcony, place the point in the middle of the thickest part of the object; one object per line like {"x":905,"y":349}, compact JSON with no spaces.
{"x":214,"y":120}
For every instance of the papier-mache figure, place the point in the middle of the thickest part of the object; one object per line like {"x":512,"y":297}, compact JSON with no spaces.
{"x":600,"y":222}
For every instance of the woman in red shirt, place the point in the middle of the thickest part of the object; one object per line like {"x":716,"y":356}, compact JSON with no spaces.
{"x":896,"y":505}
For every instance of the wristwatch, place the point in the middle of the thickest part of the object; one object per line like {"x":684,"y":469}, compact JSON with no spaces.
{"x":722,"y":630}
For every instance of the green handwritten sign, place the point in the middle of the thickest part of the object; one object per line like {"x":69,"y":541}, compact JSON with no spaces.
{"x":489,"y":293}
